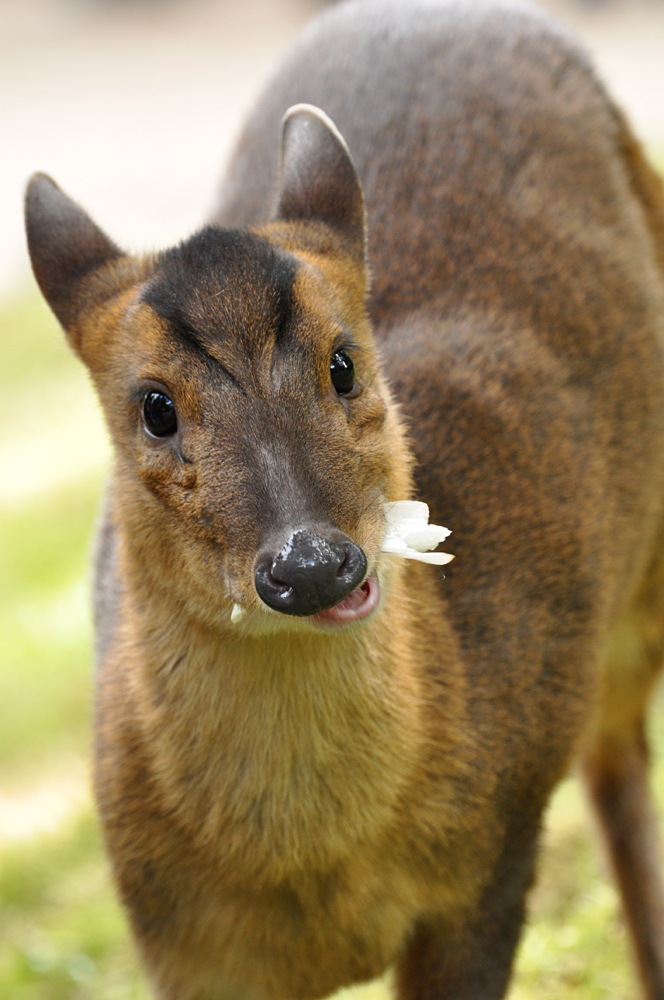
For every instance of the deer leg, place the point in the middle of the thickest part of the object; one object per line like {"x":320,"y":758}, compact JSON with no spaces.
{"x":616,"y":776}
{"x":471,"y":961}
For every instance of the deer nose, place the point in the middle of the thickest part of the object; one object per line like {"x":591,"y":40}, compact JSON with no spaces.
{"x":309,"y":574}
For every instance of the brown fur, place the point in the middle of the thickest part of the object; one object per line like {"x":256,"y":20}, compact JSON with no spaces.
{"x":290,"y":809}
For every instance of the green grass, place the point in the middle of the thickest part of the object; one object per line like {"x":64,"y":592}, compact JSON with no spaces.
{"x":575,"y":944}
{"x":45,"y":627}
{"x":62,"y":934}
{"x":32,"y":345}
{"x":52,"y":453}
{"x":46,"y":508}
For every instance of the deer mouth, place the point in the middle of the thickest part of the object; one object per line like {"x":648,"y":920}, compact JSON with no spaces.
{"x":357,"y":606}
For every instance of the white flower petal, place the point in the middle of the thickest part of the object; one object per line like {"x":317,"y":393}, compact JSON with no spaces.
{"x":406,"y":510}
{"x":427,"y":537}
{"x":409,"y":535}
{"x":435,"y":558}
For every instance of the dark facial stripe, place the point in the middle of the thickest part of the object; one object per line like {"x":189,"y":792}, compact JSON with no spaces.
{"x":185,"y":333}
{"x":223,"y":287}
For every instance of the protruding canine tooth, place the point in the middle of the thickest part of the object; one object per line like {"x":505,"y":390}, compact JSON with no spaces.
{"x":238,"y":613}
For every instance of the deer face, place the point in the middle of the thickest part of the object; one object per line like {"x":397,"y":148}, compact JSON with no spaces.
{"x":255,"y":438}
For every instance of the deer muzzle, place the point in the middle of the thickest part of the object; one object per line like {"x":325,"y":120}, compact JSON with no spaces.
{"x":310,"y":573}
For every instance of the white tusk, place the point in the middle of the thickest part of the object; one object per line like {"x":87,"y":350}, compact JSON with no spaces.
{"x":238,"y":613}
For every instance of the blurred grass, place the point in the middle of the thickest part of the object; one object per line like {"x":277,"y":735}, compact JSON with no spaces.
{"x":62,"y":935}
{"x":44,"y":623}
{"x":48,"y":498}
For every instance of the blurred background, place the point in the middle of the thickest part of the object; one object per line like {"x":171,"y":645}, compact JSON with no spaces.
{"x":132,"y":107}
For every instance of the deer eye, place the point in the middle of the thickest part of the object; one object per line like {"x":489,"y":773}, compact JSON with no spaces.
{"x":342,"y":372}
{"x":159,"y":416}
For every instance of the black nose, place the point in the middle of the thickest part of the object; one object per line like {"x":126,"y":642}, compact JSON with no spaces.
{"x":310,"y":574}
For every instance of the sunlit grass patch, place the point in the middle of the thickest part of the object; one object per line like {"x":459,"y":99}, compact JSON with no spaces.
{"x":45,"y":629}
{"x":655,"y":154}
{"x":51,"y":432}
{"x":32,"y":345}
{"x":62,"y":933}
{"x":574,"y":945}
{"x":52,"y":457}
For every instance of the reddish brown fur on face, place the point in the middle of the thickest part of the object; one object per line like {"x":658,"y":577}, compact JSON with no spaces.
{"x":290,"y":809}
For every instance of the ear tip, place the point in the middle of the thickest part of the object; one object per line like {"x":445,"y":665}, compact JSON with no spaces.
{"x":318,"y":179}
{"x":311,"y":114}
{"x":41,"y":193}
{"x":39,"y":183}
{"x":310,"y":110}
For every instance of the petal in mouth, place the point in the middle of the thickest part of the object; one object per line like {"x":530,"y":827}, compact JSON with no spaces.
{"x":409,"y":534}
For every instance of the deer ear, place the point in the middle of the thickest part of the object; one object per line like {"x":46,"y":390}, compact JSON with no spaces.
{"x":64,"y":243}
{"x":318,"y":180}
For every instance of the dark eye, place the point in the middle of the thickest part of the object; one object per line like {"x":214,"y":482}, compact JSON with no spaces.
{"x":159,"y":414}
{"x":342,"y":372}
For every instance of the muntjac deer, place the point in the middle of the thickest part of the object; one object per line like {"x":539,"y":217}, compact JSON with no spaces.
{"x":315,"y":760}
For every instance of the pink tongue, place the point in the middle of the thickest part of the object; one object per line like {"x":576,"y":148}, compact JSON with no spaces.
{"x":352,"y":602}
{"x":358,"y":605}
